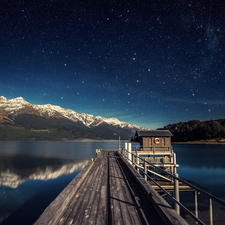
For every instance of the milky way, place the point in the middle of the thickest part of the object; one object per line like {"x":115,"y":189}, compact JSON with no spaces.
{"x":149,"y":63}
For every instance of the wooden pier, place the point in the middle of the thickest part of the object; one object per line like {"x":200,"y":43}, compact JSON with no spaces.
{"x":109,"y":191}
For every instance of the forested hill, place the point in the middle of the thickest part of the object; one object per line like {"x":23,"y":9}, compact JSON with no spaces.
{"x":196,"y":130}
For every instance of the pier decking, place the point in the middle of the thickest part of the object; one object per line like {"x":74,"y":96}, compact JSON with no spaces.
{"x":109,"y":191}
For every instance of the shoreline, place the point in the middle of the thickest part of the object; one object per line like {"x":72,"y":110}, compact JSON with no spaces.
{"x":70,"y":140}
{"x":198,"y":143}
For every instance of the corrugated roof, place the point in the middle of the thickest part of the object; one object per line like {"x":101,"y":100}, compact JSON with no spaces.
{"x":153,"y":133}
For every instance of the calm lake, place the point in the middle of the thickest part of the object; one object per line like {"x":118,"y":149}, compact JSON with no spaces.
{"x":32,"y":174}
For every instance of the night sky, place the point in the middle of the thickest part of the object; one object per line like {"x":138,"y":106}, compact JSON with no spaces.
{"x":149,"y":63}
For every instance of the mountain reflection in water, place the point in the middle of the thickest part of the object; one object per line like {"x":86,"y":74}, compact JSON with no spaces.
{"x":17,"y":169}
{"x":32,"y":174}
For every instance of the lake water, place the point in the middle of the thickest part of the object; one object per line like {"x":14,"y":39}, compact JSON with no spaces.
{"x":204,"y":165}
{"x":32,"y":174}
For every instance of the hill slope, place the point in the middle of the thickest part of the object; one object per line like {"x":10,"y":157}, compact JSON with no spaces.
{"x":20,"y":120}
{"x":196,"y":130}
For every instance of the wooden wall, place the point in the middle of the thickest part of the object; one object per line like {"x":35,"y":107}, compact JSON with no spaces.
{"x":148,"y":142}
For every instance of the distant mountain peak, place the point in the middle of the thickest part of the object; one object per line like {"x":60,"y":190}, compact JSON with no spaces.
{"x":2,"y":98}
{"x":13,"y":100}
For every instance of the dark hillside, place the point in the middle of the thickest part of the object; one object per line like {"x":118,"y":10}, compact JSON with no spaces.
{"x":33,"y":127}
{"x":196,"y":130}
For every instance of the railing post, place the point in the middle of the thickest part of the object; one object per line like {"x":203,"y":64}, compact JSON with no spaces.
{"x":137,"y":161}
{"x":145,"y":170}
{"x":176,"y":194}
{"x":210,"y":212}
{"x":119,"y":142}
{"x":133,"y":159}
{"x":125,"y":146}
{"x":175,"y":163}
{"x":196,"y":204}
{"x":129,"y":153}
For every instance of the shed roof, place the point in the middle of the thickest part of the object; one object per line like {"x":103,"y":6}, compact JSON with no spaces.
{"x":153,"y":133}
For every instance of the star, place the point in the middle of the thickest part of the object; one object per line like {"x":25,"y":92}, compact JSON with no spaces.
{"x":162,"y":55}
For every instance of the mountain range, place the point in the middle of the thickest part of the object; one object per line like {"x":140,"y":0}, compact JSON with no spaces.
{"x":21,"y":120}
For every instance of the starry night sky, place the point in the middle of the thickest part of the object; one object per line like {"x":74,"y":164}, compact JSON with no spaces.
{"x":149,"y":63}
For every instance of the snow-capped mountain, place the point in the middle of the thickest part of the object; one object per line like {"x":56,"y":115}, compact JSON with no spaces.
{"x":13,"y":106}
{"x":51,"y":118}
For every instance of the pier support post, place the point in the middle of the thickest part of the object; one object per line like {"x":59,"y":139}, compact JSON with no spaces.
{"x":119,"y":143}
{"x":137,"y":161}
{"x":133,"y":160}
{"x":176,"y":194}
{"x":196,"y":203}
{"x":129,"y":154}
{"x":175,"y":163}
{"x":145,"y":170}
{"x":210,"y":212}
{"x":125,"y":148}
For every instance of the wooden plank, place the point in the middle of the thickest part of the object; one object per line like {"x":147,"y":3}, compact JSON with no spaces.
{"x":70,"y":215}
{"x":124,"y":199}
{"x":78,"y":208}
{"x":91,"y":210}
{"x":67,"y":217}
{"x":53,"y":212}
{"x":82,"y":212}
{"x":144,"y":213}
{"x":102,"y":203}
{"x":128,"y":196}
{"x":110,"y":150}
{"x":116,"y":217}
{"x":151,"y":152}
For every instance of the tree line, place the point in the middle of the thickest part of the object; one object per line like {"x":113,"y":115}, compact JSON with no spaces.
{"x":195,"y":130}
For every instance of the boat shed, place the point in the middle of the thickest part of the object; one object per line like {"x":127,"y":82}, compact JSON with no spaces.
{"x":155,"y":141}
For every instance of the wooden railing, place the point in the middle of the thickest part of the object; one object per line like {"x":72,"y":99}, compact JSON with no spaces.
{"x":143,"y":168}
{"x":158,"y":149}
